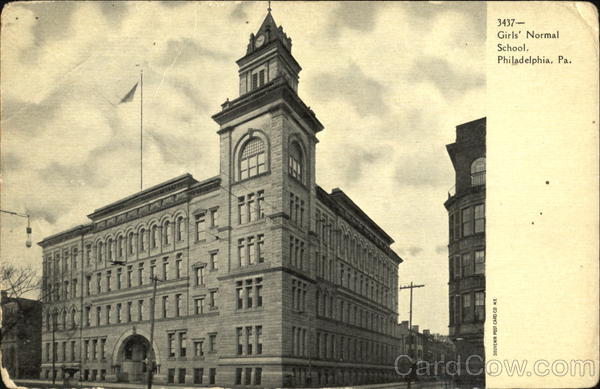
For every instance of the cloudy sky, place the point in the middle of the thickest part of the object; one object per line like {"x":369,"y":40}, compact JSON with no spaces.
{"x":390,"y":81}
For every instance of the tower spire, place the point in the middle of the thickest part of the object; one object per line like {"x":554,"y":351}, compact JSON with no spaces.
{"x":269,"y":8}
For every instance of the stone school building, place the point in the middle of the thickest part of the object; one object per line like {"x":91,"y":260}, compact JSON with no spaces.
{"x":262,"y":277}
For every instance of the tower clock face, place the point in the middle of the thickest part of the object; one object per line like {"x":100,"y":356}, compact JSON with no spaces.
{"x":260,"y":40}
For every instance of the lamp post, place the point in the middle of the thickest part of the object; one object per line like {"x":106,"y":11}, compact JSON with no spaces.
{"x":150,"y":353}
{"x":27,"y":230}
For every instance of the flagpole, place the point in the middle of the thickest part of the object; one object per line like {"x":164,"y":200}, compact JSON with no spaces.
{"x":141,"y":128}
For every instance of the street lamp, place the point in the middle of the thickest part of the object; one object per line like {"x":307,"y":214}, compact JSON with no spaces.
{"x":27,"y":230}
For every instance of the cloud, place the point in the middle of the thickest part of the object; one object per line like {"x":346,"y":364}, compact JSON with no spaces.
{"x":353,"y":15}
{"x":448,"y":80}
{"x":420,"y":169}
{"x":441,"y":249}
{"x":413,"y":251}
{"x":352,"y":85}
{"x":370,"y":75}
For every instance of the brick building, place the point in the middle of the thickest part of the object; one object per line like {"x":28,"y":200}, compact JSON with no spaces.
{"x":21,"y":336}
{"x":466,"y":247}
{"x":265,"y":278}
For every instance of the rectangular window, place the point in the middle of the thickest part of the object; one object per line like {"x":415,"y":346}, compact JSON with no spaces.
{"x":457,"y":225}
{"x":140,"y":310}
{"x":249,"y":340}
{"x":213,"y":299}
{"x":199,"y":304}
{"x":240,"y":345}
{"x":181,"y":378}
{"x":141,"y":274}
{"x":199,"y":348}
{"x":248,"y":378}
{"x":165,"y":304}
{"x":108,"y":314}
{"x":242,"y":210}
{"x":118,"y":312}
{"x":260,"y":248}
{"x":214,"y":261}
{"x":98,"y":283}
{"x":198,"y":373}
{"x":251,"y":207}
{"x":108,"y":280}
{"x":258,"y":376}
{"x":457,"y":267}
{"x":238,"y":376}
{"x":467,"y":221}
{"x":251,"y":252}
{"x":467,"y":264}
{"x":178,"y":305}
{"x":171,"y":376}
{"x":212,"y":343}
{"x":259,"y":296}
{"x":479,"y":218}
{"x":240,"y":295}
{"x":129,"y":275}
{"x":260,"y":204}
{"x":128,"y":313}
{"x":165,"y":269}
{"x":178,"y":268}
{"x":212,"y":375}
{"x":259,"y":346}
{"x":200,"y":221}
{"x":171,"y":344}
{"x":467,"y":309}
{"x":479,"y":262}
{"x":152,"y":269}
{"x":200,"y":275}
{"x":182,"y":344}
{"x":214,"y":218}
{"x":479,"y":306}
{"x":241,"y":253}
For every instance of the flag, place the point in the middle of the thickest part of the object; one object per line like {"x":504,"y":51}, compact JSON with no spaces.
{"x":129,"y":96}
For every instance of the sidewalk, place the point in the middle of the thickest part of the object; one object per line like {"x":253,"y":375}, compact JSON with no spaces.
{"x":30,"y":383}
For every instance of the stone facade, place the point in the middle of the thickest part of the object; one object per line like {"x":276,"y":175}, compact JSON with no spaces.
{"x":263,"y":278}
{"x":466,"y":248}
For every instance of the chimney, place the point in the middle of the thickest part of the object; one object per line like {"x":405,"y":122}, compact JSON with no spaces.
{"x":426,"y":332}
{"x":415,"y":328}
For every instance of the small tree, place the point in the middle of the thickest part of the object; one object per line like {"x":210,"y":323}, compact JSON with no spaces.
{"x":16,"y":283}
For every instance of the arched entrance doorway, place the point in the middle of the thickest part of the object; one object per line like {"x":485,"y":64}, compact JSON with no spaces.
{"x":133,"y":358}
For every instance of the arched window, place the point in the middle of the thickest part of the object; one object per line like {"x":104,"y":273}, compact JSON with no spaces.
{"x":100,"y":251}
{"x":130,"y":243}
{"x":154,"y":238}
{"x":121,"y":246}
{"x":167,"y":232}
{"x":64,"y":319}
{"x":109,"y":248}
{"x":142,"y":240}
{"x":296,"y":163}
{"x":252,"y":160}
{"x":478,"y":172}
{"x":180,"y":228}
{"x":73,"y":318}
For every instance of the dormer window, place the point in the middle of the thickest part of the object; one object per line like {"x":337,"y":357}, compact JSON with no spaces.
{"x":478,"y":172}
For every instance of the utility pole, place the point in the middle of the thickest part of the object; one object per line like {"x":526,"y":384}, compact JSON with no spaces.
{"x":411,"y":287}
